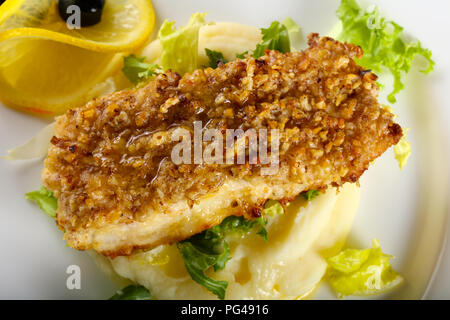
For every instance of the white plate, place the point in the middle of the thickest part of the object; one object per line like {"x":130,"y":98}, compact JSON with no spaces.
{"x":406,"y":209}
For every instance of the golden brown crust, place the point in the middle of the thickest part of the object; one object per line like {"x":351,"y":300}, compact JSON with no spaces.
{"x":110,"y":160}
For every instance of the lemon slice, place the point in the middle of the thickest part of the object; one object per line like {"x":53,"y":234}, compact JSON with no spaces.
{"x":125,"y":24}
{"x":46,"y":68}
{"x":49,"y":77}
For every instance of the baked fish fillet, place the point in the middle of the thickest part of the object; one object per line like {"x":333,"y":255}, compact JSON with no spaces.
{"x":110,"y":161}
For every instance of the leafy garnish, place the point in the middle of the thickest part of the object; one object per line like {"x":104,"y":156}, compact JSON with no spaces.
{"x":215,"y":58}
{"x":197,"y":260}
{"x":45,"y":199}
{"x":310,"y":194}
{"x":291,"y":26}
{"x":210,"y":249}
{"x":136,"y":70}
{"x":361,"y":272}
{"x":382,"y":43}
{"x":262,"y":229}
{"x":132,"y":292}
{"x":241,"y":55}
{"x":272,"y":208}
{"x":296,"y":38}
{"x":180,"y":46}
{"x":276,"y":37}
{"x":402,"y":151}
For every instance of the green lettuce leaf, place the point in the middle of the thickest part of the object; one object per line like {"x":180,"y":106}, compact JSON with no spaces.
{"x":180,"y":46}
{"x":215,"y":57}
{"x":310,"y":194}
{"x":132,"y":292}
{"x":45,"y":199}
{"x":361,"y":272}
{"x":276,"y":37}
{"x":382,"y":42}
{"x":136,"y":70}
{"x":210,"y":249}
{"x":262,"y":229}
{"x":199,"y":259}
{"x":241,"y":55}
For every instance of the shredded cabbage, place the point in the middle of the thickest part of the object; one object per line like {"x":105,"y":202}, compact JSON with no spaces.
{"x":36,"y":147}
{"x":180,"y":46}
{"x":273,"y":208}
{"x":295,"y":34}
{"x":362,"y":272}
{"x":291,"y":26}
{"x":402,"y":150}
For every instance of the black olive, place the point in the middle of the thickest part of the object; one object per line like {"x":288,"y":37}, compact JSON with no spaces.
{"x":91,"y":10}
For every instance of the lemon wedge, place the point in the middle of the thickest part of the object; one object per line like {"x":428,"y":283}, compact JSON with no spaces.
{"x":125,"y":24}
{"x":47,"y":68}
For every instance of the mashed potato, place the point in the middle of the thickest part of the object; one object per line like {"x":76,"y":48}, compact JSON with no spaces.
{"x":288,"y":266}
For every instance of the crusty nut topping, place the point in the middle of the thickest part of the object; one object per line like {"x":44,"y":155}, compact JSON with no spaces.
{"x":110,"y":160}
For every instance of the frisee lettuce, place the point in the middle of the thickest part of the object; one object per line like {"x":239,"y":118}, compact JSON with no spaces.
{"x":45,"y":199}
{"x":136,"y":70}
{"x":361,"y":272}
{"x":132,"y":292}
{"x":210,"y":249}
{"x":180,"y":46}
{"x":382,"y":43}
{"x":215,"y":58}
